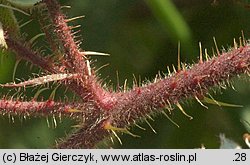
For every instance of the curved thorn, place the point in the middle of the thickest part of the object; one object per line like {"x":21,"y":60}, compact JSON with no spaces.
{"x":165,"y":114}
{"x":75,"y":18}
{"x":216,"y":47}
{"x":182,"y":110}
{"x":201,"y":61}
{"x":89,"y":53}
{"x":150,"y":126}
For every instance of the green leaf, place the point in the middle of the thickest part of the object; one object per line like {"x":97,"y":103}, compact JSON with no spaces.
{"x":24,"y":3}
{"x":172,"y":20}
{"x":8,"y":19}
{"x":7,"y":62}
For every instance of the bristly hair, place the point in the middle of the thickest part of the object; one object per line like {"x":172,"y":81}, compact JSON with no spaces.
{"x":102,"y":113}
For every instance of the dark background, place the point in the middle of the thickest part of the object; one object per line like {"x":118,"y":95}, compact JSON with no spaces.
{"x":142,"y":43}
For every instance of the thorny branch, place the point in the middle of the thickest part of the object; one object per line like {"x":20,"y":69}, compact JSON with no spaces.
{"x":102,"y":112}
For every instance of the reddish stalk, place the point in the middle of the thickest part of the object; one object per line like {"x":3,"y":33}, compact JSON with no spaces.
{"x":101,"y":112}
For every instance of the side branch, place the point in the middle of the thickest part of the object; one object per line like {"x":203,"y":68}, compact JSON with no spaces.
{"x":187,"y":83}
{"x":85,"y":89}
{"x":87,"y":86}
{"x":73,"y":56}
{"x":36,"y":108}
{"x":87,"y":136}
{"x":27,"y":54}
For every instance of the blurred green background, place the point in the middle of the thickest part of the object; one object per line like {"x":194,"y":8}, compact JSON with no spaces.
{"x":142,"y":38}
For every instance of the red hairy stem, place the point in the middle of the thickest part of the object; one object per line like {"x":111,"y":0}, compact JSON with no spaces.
{"x":194,"y":82}
{"x":73,"y":56}
{"x":27,"y":54}
{"x":45,"y":24}
{"x":87,"y":87}
{"x":35,"y":108}
{"x":87,"y":136}
{"x":125,"y":108}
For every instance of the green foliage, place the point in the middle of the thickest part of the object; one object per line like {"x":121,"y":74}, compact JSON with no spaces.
{"x":24,"y":3}
{"x":174,"y":23}
{"x":7,"y":18}
{"x":7,"y":21}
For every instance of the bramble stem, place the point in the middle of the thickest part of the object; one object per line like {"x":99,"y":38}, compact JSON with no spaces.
{"x":34,"y":108}
{"x":29,"y":55}
{"x":186,"y":83}
{"x":74,"y":57}
{"x":128,"y":107}
{"x":100,"y":111}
